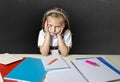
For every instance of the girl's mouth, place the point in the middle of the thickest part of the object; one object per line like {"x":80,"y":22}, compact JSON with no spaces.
{"x":53,"y":33}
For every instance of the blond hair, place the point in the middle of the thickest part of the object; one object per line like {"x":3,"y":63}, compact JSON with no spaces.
{"x":57,"y":12}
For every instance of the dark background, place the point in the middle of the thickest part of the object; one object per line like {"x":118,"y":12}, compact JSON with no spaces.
{"x":95,"y":25}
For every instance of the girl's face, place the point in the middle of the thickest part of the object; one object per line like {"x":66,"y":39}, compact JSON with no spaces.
{"x":55,"y":25}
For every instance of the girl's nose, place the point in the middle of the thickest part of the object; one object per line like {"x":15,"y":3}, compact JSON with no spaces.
{"x":53,"y":29}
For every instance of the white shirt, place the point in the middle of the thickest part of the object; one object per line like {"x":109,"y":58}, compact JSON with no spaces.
{"x":67,"y":37}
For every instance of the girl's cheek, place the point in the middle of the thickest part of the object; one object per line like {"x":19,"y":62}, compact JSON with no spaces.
{"x":59,"y":30}
{"x":49,"y":28}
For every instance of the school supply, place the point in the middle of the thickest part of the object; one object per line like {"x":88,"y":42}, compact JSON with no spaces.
{"x":1,"y":80}
{"x":5,"y":69}
{"x":85,"y":70}
{"x":8,"y":58}
{"x":91,"y":63}
{"x":103,"y":72}
{"x":54,"y":62}
{"x":29,"y":70}
{"x":65,"y":75}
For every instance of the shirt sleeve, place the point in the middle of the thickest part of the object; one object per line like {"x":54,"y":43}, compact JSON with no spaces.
{"x":68,"y":38}
{"x":41,"y":38}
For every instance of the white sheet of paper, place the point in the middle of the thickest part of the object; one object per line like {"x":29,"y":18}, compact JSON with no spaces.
{"x":1,"y":80}
{"x":100,"y":73}
{"x":54,"y":52}
{"x":65,"y":75}
{"x":8,"y":58}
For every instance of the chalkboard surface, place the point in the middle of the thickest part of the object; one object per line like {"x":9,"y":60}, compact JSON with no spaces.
{"x":95,"y":25}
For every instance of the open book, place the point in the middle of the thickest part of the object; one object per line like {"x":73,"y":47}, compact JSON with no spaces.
{"x":95,"y":69}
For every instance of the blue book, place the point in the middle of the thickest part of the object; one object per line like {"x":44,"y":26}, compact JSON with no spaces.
{"x":30,"y":70}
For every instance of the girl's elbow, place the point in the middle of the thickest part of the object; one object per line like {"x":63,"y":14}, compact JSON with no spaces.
{"x":44,"y":53}
{"x":64,"y":54}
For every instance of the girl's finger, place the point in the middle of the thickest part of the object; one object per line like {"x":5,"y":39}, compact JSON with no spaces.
{"x":46,"y":24}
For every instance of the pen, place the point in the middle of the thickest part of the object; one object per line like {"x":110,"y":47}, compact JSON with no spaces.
{"x":91,"y":63}
{"x":52,"y":61}
{"x":83,"y":58}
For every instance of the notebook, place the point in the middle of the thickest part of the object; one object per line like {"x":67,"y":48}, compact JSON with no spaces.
{"x":5,"y":69}
{"x":97,"y":69}
{"x":29,"y":70}
{"x":8,"y":58}
{"x":1,"y":80}
{"x":57,"y":62}
{"x":65,"y":75}
{"x":83,"y":71}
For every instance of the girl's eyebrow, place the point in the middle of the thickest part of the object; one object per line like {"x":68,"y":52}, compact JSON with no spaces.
{"x":49,"y":24}
{"x":58,"y":25}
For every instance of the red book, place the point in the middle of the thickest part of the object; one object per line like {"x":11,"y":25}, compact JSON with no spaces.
{"x":5,"y":69}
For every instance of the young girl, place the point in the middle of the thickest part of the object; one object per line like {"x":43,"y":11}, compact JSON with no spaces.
{"x":55,"y":33}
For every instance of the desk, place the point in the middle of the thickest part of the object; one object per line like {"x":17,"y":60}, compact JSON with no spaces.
{"x":114,"y":59}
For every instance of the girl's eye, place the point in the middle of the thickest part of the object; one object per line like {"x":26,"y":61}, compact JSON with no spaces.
{"x":57,"y":26}
{"x":50,"y":25}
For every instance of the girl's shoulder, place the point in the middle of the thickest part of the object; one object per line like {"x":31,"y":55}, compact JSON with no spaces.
{"x":67,"y":32}
{"x":42,"y":32}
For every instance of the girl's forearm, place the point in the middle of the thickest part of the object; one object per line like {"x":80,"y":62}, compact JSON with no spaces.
{"x":44,"y":49}
{"x":64,"y":50}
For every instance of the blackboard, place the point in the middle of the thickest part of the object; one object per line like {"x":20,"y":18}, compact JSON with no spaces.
{"x":95,"y":25}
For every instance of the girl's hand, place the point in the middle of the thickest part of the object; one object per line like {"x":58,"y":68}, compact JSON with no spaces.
{"x":46,"y":27}
{"x":61,"y":30}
